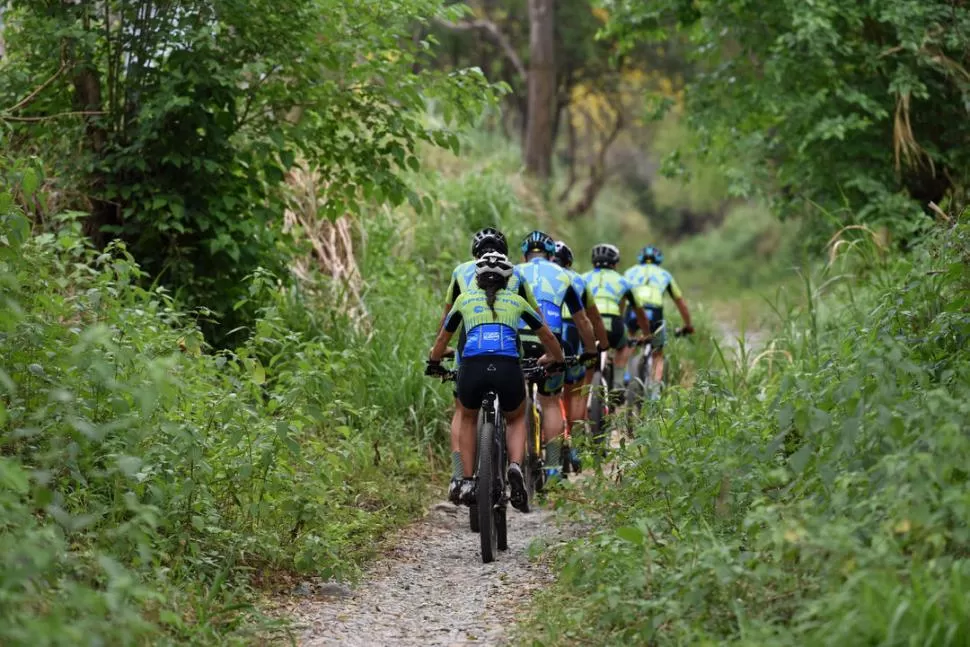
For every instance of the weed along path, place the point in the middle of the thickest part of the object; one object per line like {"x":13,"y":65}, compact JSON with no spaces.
{"x":431,"y":587}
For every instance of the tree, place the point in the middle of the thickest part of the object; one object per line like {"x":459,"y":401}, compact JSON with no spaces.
{"x":832,"y":104}
{"x":541,"y":109}
{"x":188,"y":116}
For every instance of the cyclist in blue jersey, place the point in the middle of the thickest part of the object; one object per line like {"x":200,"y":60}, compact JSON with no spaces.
{"x":575,"y":377}
{"x":552,"y":287}
{"x":491,"y":313}
{"x":484,"y":241}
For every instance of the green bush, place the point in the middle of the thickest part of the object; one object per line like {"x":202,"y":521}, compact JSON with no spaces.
{"x":147,"y":481}
{"x":815,"y":496}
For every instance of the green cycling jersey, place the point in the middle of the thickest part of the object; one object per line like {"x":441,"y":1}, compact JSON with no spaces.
{"x":610,"y":289}
{"x":491,"y":330}
{"x":463,"y":279}
{"x":650,"y":283}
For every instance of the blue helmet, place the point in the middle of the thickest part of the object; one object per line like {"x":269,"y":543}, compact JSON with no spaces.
{"x":539,"y":241}
{"x":651,"y":254}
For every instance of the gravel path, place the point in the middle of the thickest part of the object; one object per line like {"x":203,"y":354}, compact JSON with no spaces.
{"x":432,"y":588}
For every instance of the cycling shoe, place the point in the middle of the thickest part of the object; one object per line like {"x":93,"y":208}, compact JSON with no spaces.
{"x":468,"y":494}
{"x":518,"y":496}
{"x":454,"y":491}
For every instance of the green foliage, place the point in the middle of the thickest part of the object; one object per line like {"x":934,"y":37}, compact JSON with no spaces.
{"x":835,"y":104}
{"x":147,"y":480}
{"x":814,"y":495}
{"x":201,"y":109}
{"x":750,"y":249}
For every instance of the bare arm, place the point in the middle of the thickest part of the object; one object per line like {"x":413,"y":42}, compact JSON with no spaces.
{"x":444,"y":315}
{"x":440,"y":344}
{"x":550,"y":343}
{"x":585,"y":329}
{"x":684,"y":312}
{"x":642,"y":320}
{"x":598,"y":326}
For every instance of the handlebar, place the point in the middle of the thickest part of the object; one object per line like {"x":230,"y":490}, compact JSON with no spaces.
{"x":531,"y":369}
{"x":643,"y":341}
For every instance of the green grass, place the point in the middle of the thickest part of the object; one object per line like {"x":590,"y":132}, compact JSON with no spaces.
{"x":152,"y":487}
{"x":151,"y":484}
{"x":817,"y":499}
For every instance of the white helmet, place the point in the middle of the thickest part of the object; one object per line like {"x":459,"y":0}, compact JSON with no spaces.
{"x":493,"y":263}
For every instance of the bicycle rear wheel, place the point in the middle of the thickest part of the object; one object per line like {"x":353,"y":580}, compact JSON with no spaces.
{"x":597,"y":414}
{"x":473,"y":517}
{"x":532,"y":470}
{"x":501,"y":521}
{"x":487,"y":471}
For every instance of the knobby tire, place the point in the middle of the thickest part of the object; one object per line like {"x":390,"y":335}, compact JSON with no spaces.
{"x":487,"y":463}
{"x":597,"y":410}
{"x":473,"y":517}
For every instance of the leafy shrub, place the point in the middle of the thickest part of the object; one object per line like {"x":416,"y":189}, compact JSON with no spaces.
{"x":194,"y":114}
{"x":819,"y":498}
{"x":147,"y":481}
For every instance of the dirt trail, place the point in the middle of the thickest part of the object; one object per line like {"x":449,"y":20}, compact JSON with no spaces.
{"x":431,"y":588}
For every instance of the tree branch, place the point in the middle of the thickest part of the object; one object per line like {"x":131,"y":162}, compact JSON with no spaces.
{"x":30,"y":97}
{"x":75,"y":113}
{"x":598,"y":173}
{"x":496,"y":35}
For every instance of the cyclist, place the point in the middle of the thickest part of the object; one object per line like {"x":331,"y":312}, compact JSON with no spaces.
{"x":613,"y":295}
{"x":485,"y":240}
{"x":553,"y":287}
{"x":650,"y":282}
{"x":575,"y":377}
{"x":490,"y":314}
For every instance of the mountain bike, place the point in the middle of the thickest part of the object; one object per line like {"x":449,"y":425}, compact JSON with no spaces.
{"x":534,"y":468}
{"x":599,"y":404}
{"x":488,"y":513}
{"x":643,"y":379}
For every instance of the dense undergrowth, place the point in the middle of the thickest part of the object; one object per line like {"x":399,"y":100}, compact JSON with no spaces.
{"x":151,"y":483}
{"x":815,"y":496}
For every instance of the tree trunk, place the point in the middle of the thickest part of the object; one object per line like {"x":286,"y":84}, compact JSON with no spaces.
{"x":573,"y":152}
{"x":542,"y":89}
{"x":598,"y":171}
{"x":87,"y":98}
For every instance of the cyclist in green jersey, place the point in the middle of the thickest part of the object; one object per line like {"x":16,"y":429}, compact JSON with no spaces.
{"x":650,"y":283}
{"x":491,"y":314}
{"x":613,"y":295}
{"x":485,"y":240}
{"x":576,"y":376}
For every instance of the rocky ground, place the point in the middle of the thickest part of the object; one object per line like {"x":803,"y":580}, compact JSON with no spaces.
{"x":432,"y":588}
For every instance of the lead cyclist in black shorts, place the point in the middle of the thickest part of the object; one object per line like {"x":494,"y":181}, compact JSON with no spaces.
{"x":491,"y":313}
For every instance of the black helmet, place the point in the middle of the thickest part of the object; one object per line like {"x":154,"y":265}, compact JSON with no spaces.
{"x":605,"y":255}
{"x":539,"y":241}
{"x":489,"y":239}
{"x":651,"y":254}
{"x":564,"y":255}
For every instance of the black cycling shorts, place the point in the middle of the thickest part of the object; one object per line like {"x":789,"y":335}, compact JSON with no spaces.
{"x":655,"y":315}
{"x":532,"y":349}
{"x":572,"y":344}
{"x":478,"y":375}
{"x":615,"y":332}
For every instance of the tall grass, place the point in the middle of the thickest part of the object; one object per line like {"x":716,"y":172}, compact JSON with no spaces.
{"x":819,"y":499}
{"x":150,"y":483}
